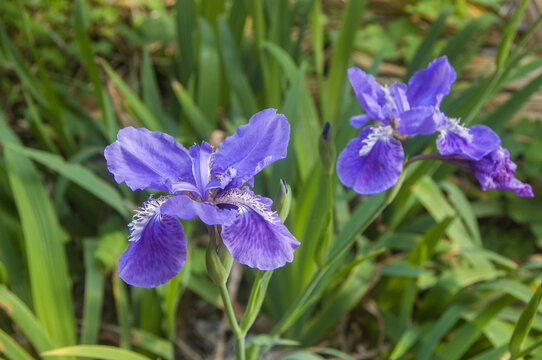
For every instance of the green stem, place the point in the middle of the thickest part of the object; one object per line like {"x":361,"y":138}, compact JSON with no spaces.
{"x":239,"y":336}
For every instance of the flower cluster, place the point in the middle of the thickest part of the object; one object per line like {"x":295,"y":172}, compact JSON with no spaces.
{"x":205,"y":184}
{"x":373,"y":161}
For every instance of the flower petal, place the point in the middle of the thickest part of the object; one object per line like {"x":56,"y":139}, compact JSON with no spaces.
{"x":472,"y":143}
{"x":418,"y":121}
{"x":183,"y":207}
{"x":147,"y":160}
{"x":428,"y":86}
{"x":371,"y":95}
{"x":496,"y":171}
{"x":359,"y":121}
{"x":255,"y":145}
{"x":157,"y":250}
{"x":257,"y":237}
{"x":372,"y":162}
{"x":397,"y":93}
{"x":201,"y":157}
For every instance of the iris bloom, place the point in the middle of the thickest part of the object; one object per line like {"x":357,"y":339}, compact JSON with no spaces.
{"x":373,"y":161}
{"x":479,"y":149}
{"x":205,"y":184}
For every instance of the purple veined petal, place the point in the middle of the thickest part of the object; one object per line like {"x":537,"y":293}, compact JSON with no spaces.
{"x":359,"y":121}
{"x":370,"y":94}
{"x":201,"y":157}
{"x":496,"y":171}
{"x":372,"y":162}
{"x":428,"y":86}
{"x":472,"y":143}
{"x":397,"y":92}
{"x":146,"y":160}
{"x":257,"y":237}
{"x":419,"y":121}
{"x":157,"y":249}
{"x":254,"y":146}
{"x":183,"y":207}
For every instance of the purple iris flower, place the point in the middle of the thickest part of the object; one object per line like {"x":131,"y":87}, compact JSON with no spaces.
{"x":479,"y":149}
{"x":373,"y":161}
{"x":205,"y":184}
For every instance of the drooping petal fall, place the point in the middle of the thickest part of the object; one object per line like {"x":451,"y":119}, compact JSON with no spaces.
{"x":148,"y":160}
{"x":157,"y":250}
{"x":254,"y":146}
{"x":372,"y":162}
{"x":257,"y":237}
{"x":472,"y":143}
{"x":428,"y":86}
{"x":496,"y":171}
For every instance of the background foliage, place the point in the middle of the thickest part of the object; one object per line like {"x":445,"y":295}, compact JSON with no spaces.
{"x":446,"y":271}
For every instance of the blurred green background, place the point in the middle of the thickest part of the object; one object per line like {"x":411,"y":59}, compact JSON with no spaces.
{"x":444,"y":273}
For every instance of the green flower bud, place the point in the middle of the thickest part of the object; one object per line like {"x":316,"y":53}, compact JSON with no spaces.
{"x":327,"y":149}
{"x":283,"y":199}
{"x":216,"y":270}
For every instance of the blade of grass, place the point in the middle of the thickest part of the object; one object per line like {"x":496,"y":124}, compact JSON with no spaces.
{"x":152,"y":343}
{"x":43,"y":242}
{"x":468,"y":333}
{"x":11,"y":349}
{"x":185,"y":25}
{"x":87,"y":57}
{"x":149,"y":86}
{"x":523,"y":326}
{"x":79,"y":175}
{"x":195,"y":117}
{"x":424,"y":53}
{"x":237,"y":18}
{"x":96,"y":352}
{"x":341,"y":56}
{"x":123,"y":310}
{"x":233,"y":69}
{"x":132,"y":101}
{"x":25,"y":320}
{"x":94,"y":288}
{"x":445,"y":323}
{"x":210,"y":78}
{"x":509,"y":34}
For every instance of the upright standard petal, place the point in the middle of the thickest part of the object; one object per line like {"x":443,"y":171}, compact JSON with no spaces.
{"x":148,"y":160}
{"x":257,"y":237}
{"x":372,"y":162}
{"x":370,"y":94}
{"x":428,"y":86}
{"x":418,"y":121}
{"x":255,"y":145}
{"x":472,"y":143}
{"x":157,"y":250}
{"x":183,"y":207}
{"x":201,"y":158}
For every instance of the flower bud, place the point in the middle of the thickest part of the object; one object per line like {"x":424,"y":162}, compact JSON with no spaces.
{"x":327,"y":149}
{"x":217,"y":258}
{"x":283,"y":199}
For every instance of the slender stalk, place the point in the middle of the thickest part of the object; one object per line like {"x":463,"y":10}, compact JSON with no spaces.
{"x":239,"y":335}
